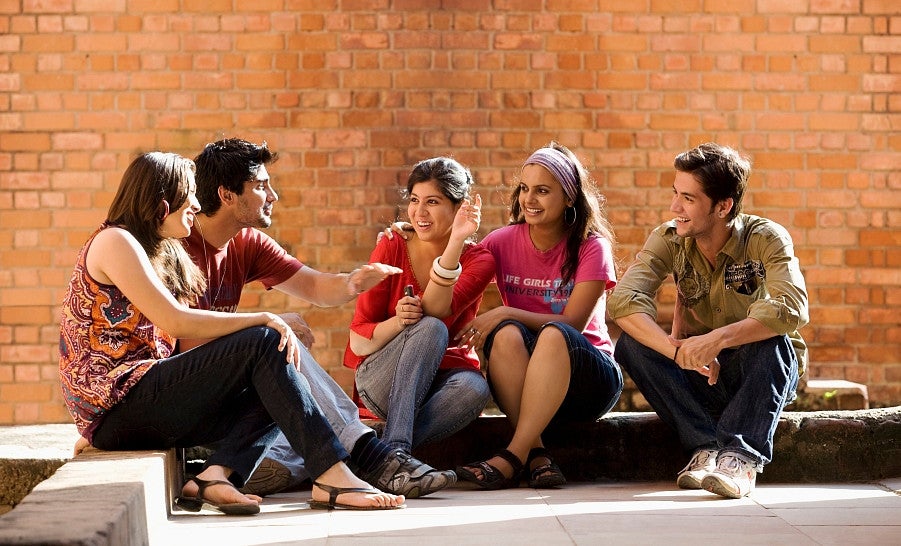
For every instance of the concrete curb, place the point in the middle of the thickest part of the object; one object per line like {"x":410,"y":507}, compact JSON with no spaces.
{"x":110,"y":498}
{"x":98,"y":498}
{"x":817,"y":447}
{"x":29,"y":455}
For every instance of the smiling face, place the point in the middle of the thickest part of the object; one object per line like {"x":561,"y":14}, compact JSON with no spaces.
{"x":254,"y":205}
{"x":430,"y":211}
{"x":178,"y":223}
{"x":697,"y":215}
{"x":541,"y":197}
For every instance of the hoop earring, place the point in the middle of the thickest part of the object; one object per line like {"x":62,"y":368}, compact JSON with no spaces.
{"x":567,"y":222}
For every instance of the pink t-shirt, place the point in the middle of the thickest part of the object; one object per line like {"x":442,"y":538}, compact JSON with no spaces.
{"x":529,"y":279}
{"x":249,"y":256}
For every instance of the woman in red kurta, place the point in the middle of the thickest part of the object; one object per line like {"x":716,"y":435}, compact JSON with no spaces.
{"x":406,"y":371}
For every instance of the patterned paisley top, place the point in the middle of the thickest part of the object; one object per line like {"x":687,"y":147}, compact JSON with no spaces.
{"x":105,"y":346}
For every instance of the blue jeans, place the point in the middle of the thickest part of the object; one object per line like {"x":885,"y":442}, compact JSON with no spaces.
{"x":340,"y":411}
{"x":738,"y":414}
{"x":401,"y":383}
{"x":595,"y":381}
{"x":235,"y":392}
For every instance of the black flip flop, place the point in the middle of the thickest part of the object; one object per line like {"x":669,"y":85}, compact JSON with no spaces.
{"x":333,"y":503}
{"x":195,"y":503}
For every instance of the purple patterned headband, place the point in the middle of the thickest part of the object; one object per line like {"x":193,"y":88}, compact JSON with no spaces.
{"x":560,"y":166}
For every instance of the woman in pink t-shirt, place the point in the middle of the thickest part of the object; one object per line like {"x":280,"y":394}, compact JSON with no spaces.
{"x":408,"y":371}
{"x":549,"y":356}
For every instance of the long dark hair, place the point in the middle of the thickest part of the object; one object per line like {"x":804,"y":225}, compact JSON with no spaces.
{"x":588,"y":206}
{"x":152,"y":185}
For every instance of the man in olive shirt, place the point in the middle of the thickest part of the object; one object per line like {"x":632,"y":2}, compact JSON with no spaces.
{"x":731,"y":362}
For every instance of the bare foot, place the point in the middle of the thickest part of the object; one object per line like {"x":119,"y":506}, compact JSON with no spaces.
{"x":340,"y":475}
{"x":80,"y":446}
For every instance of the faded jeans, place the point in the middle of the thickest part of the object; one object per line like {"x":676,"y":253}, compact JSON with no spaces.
{"x":235,"y":392}
{"x":340,"y":411}
{"x":739,"y":413}
{"x":402,"y":384}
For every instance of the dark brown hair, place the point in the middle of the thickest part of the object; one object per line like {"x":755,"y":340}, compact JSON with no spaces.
{"x":721,"y":171}
{"x":229,"y":163}
{"x":138,"y":206}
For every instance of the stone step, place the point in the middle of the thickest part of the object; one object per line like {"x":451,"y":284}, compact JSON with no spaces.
{"x":116,"y":496}
{"x":820,"y":446}
{"x":835,"y":394}
{"x":96,"y":498}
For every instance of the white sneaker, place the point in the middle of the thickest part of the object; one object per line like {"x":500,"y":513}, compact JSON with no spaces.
{"x":734,"y":477}
{"x":702,"y":463}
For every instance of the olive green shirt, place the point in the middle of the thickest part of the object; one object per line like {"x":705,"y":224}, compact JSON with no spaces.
{"x":756,"y":275}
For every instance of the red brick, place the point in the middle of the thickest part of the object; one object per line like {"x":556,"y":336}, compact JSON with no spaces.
{"x":354,"y":92}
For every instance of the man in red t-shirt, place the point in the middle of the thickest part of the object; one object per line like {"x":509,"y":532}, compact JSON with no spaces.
{"x":236,"y":199}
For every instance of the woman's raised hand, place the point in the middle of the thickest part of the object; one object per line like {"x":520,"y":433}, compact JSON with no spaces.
{"x":468,"y":217}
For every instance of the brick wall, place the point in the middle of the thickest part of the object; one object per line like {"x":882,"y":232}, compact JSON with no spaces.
{"x":352,"y":92}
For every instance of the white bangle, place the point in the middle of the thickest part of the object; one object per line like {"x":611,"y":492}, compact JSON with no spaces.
{"x":449,"y":274}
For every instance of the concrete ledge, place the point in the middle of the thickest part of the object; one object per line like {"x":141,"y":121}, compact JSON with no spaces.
{"x":823,"y":446}
{"x":837,"y":394}
{"x":107,"y":498}
{"x":30,"y":455}
{"x":98,"y":498}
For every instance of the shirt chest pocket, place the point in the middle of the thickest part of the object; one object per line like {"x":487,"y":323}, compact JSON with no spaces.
{"x":745,"y":279}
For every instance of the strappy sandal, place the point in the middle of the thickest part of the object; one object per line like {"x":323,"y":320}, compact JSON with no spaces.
{"x":492,"y":478}
{"x":333,"y":504}
{"x":544,"y":476}
{"x":195,"y":503}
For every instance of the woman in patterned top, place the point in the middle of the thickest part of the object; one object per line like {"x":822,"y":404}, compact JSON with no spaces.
{"x":128,"y":301}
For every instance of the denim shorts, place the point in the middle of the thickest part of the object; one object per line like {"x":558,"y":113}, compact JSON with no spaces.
{"x":595,"y":379}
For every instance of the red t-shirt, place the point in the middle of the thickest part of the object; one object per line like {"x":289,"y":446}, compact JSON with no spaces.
{"x":378,"y":304}
{"x":249,"y":256}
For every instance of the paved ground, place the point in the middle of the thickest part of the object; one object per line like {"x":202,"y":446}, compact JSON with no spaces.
{"x":107,"y":485}
{"x":584,"y":513}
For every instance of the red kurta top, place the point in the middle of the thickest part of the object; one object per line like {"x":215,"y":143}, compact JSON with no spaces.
{"x":378,"y":304}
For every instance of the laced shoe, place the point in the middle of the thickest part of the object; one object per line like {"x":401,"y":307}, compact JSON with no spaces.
{"x":269,"y":478}
{"x":734,"y":477}
{"x":702,"y":463}
{"x":402,"y":474}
